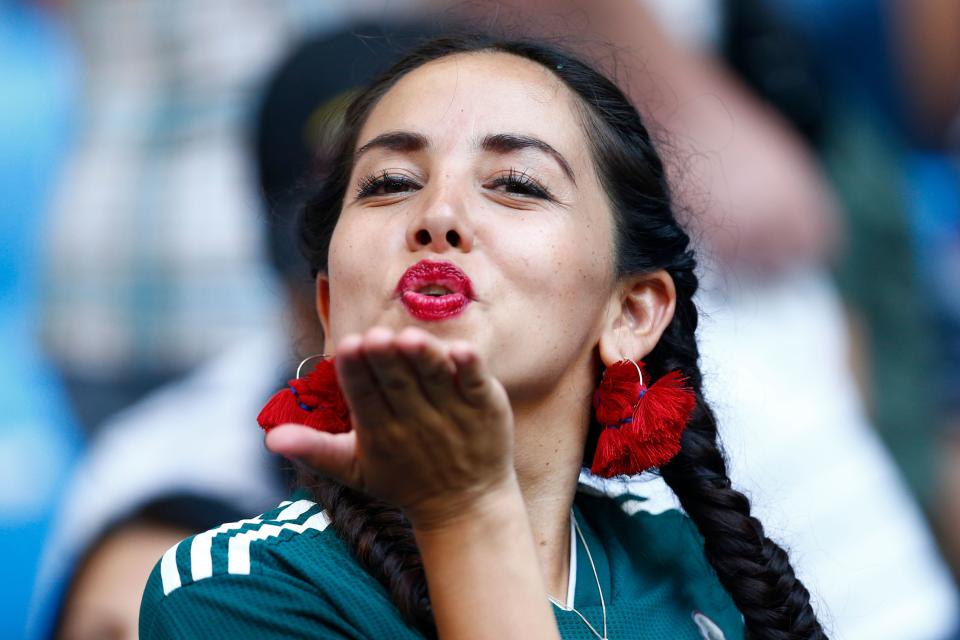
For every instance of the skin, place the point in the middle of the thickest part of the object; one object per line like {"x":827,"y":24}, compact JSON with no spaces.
{"x":475,"y":425}
{"x":104,"y":599}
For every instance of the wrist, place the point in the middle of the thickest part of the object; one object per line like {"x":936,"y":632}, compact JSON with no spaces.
{"x":485,"y":559}
{"x":483,"y":508}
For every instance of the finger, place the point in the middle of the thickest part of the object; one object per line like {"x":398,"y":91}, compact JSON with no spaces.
{"x":433,"y":366}
{"x":330,"y":454}
{"x":473,"y":381}
{"x":399,"y":382}
{"x":360,"y":388}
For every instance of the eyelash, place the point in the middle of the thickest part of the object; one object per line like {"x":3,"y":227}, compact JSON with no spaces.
{"x":513,"y":179}
{"x":520,"y":180}
{"x":375,"y":181}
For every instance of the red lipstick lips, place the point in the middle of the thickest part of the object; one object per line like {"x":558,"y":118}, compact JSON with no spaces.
{"x":433,"y":291}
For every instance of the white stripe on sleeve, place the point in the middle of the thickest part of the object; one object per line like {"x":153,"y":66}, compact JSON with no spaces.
{"x":201,"y":556}
{"x":169,"y":574}
{"x":295,"y":510}
{"x":238,"y":549}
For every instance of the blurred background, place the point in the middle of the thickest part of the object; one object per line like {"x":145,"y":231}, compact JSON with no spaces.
{"x":152,"y":156}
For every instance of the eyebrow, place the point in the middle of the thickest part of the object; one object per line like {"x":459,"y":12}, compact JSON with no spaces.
{"x":409,"y":142}
{"x":508,"y":142}
{"x":405,"y":141}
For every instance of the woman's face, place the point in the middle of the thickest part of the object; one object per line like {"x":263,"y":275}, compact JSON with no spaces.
{"x":473,"y":210}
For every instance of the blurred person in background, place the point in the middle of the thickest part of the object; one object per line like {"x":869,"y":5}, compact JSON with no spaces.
{"x":891,"y":77}
{"x":38,"y":436}
{"x":807,"y":242}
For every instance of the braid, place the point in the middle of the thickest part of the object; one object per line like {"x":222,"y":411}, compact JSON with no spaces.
{"x":380,"y":538}
{"x":752,"y":568}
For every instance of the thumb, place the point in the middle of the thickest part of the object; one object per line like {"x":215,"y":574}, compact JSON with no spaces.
{"x":329,"y":454}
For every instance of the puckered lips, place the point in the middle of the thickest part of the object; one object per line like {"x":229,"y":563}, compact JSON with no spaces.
{"x":431,"y":290}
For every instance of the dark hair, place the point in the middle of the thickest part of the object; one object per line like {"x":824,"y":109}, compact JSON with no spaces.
{"x":752,"y":568}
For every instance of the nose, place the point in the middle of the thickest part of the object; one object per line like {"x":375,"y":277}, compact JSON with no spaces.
{"x":443,"y":225}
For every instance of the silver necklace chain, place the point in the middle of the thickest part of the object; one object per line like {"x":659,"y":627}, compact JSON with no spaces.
{"x":603,"y":605}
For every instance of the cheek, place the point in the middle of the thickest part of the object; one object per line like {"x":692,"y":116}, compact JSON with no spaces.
{"x":558,"y":283}
{"x":564,"y":273}
{"x":355,"y":276}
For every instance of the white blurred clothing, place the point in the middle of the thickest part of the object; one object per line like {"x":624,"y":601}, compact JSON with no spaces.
{"x":800,"y":445}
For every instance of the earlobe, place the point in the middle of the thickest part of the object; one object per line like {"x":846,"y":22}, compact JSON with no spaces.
{"x":641,"y":312}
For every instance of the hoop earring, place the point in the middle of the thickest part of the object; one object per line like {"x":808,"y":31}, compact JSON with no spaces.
{"x":641,"y":426}
{"x":314,"y":400}
{"x":308,"y":359}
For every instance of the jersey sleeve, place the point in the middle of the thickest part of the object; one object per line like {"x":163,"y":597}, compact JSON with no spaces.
{"x":261,"y":605}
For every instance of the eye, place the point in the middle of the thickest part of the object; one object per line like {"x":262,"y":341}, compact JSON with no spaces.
{"x":384,"y":184}
{"x":518,"y":183}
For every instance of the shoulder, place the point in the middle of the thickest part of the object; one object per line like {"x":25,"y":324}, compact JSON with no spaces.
{"x":257,"y":576}
{"x":229,"y":548}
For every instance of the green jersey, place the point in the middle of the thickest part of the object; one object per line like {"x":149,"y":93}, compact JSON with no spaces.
{"x":286,"y":574}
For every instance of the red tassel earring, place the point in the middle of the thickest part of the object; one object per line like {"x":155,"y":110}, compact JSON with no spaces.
{"x":641,"y":426}
{"x":314,"y":400}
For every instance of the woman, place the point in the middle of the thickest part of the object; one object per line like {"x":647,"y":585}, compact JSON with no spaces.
{"x":497,"y":234}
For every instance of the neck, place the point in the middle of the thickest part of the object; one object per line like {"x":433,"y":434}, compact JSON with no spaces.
{"x":550,"y":522}
{"x":549,"y":445}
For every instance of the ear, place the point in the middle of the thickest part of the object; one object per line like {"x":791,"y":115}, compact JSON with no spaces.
{"x":323,"y":307}
{"x":641,"y":312}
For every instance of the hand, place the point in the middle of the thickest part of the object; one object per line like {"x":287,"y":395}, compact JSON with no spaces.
{"x":433,"y":430}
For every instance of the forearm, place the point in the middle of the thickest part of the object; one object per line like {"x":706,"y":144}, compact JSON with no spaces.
{"x":754,"y":187}
{"x":483,"y":574}
{"x":926,"y":46}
